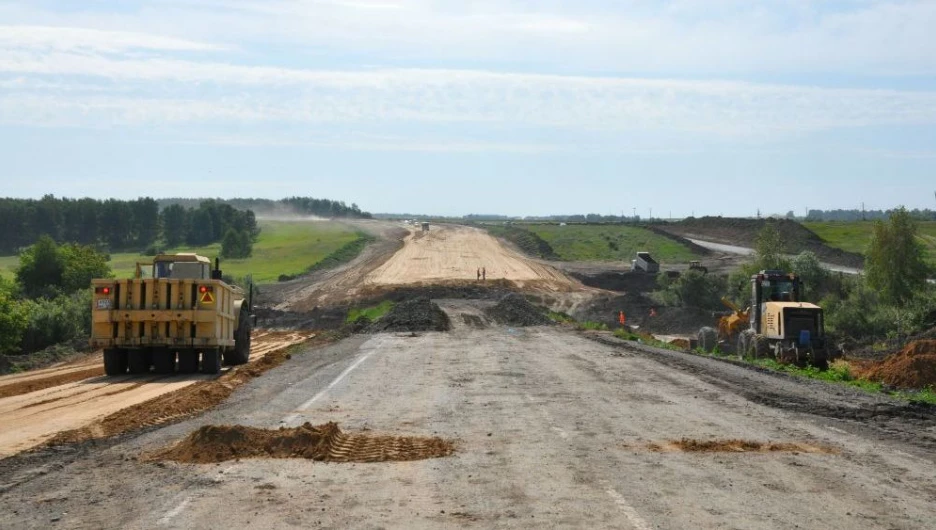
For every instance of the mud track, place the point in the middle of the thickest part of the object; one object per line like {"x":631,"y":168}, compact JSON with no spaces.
{"x":909,"y":422}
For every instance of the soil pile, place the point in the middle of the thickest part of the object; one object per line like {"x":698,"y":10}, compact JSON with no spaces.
{"x":418,"y":314}
{"x":912,"y":367}
{"x":515,"y":310}
{"x":211,"y":444}
{"x":689,"y":445}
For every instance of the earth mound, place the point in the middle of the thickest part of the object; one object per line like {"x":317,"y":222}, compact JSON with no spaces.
{"x":417,"y":314}
{"x":219,"y":443}
{"x":912,"y":367}
{"x":515,"y":310}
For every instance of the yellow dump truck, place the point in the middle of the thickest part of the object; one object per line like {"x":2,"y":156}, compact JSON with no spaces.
{"x":176,"y":314}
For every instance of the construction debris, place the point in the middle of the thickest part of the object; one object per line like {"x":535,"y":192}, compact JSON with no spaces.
{"x":418,"y":314}
{"x":211,"y":444}
{"x":515,"y":310}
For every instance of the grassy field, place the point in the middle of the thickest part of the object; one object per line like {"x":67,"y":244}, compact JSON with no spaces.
{"x":608,"y":243}
{"x":856,"y":236}
{"x":283,"y":248}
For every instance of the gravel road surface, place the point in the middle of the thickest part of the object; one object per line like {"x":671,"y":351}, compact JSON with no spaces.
{"x":554,"y":429}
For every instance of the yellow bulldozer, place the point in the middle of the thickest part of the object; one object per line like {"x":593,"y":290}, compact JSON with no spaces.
{"x":778,"y":323}
{"x":176,"y":314}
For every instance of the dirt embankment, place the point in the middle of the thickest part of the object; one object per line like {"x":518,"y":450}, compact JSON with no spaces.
{"x":211,"y":444}
{"x":515,"y":310}
{"x":418,"y":314}
{"x":914,"y":367}
{"x":743,"y":232}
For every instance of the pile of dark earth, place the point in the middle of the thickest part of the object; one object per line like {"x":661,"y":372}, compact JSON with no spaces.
{"x":417,"y":314}
{"x":515,"y":310}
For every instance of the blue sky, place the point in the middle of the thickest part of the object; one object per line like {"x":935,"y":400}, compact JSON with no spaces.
{"x":518,"y":106}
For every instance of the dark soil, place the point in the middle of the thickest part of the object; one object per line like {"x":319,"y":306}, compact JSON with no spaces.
{"x":515,"y":310}
{"x":418,"y":314}
{"x":743,"y":232}
{"x":624,"y":282}
{"x":637,"y":306}
{"x":211,"y":444}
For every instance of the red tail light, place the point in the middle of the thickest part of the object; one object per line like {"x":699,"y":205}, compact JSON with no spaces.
{"x":203,"y":289}
{"x":103,"y":290}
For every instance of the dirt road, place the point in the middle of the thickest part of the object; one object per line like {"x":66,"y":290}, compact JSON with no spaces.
{"x":552,"y":430}
{"x":75,"y":395}
{"x":457,"y":253}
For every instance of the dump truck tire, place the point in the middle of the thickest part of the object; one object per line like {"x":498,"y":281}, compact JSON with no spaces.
{"x":820,"y":358}
{"x":240,"y":354}
{"x":164,"y":360}
{"x":139,"y":361}
{"x":115,"y":361}
{"x":211,"y":361}
{"x":744,"y":343}
{"x":760,"y":346}
{"x":188,"y":361}
{"x":708,"y":339}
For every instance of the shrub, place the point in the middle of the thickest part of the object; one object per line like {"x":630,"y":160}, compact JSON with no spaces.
{"x":63,"y":319}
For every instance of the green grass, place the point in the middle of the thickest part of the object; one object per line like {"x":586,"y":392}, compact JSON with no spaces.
{"x":370,"y":313}
{"x":608,"y":243}
{"x":283,"y":248}
{"x":855,"y":236}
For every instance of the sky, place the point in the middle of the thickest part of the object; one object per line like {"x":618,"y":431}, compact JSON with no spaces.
{"x":517,"y":107}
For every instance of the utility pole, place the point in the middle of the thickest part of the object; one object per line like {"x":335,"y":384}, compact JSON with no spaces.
{"x":634,"y":219}
{"x":651,"y":215}
{"x":863,"y":212}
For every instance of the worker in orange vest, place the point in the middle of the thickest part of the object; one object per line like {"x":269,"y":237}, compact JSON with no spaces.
{"x":622,"y":319}
{"x":652,"y":312}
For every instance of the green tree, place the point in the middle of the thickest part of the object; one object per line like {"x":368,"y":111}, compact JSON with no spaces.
{"x":895,"y":263}
{"x":81,"y":264}
{"x":40,"y":269}
{"x":236,"y":244}
{"x":806,"y":265}
{"x":13,"y":320}
{"x":175,"y":224}
{"x":769,"y":248}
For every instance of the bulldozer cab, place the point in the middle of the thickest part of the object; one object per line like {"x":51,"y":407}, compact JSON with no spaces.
{"x":178,"y":267}
{"x":777,"y":311}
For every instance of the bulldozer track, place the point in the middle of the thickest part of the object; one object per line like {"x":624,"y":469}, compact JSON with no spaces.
{"x":37,"y":406}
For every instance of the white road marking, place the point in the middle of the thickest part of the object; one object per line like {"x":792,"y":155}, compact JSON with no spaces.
{"x":635,"y":519}
{"x":305,"y":406}
{"x":836,"y":429}
{"x":174,"y":512}
{"x":288,"y":419}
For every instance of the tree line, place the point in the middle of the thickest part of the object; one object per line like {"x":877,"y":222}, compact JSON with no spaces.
{"x":287,"y":206}
{"x":867,"y":215}
{"x":122,"y":225}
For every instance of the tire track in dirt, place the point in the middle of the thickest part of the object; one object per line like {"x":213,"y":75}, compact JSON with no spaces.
{"x":97,"y":407}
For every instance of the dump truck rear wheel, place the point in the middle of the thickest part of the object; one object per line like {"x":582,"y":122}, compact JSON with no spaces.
{"x":744,"y":343}
{"x":164,"y":361}
{"x":708,"y":339}
{"x":240,"y":354}
{"x":760,"y":346}
{"x":211,"y":361}
{"x":188,"y":361}
{"x":138,"y":361}
{"x":115,"y":361}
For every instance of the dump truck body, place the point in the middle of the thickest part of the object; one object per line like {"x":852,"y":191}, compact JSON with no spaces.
{"x":177,"y":305}
{"x":645,"y":263}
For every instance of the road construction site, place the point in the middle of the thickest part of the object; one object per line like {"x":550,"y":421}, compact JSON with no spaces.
{"x":469,"y":411}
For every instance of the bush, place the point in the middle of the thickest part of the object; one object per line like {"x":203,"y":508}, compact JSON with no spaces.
{"x":64,"y":319}
{"x":13,"y":320}
{"x":47,"y":269}
{"x":692,"y":289}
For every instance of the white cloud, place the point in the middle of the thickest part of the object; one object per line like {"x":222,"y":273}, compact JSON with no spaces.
{"x":71,"y":38}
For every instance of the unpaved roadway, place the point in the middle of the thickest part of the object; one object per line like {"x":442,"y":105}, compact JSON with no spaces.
{"x":77,"y":394}
{"x":553,"y":430}
{"x":459,"y":253}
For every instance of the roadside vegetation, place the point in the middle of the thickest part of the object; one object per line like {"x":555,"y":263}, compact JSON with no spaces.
{"x":855,"y":236}
{"x":369,"y":314}
{"x":607,"y":243}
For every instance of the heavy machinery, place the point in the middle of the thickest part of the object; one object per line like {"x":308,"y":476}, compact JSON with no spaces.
{"x":781,"y":325}
{"x":697,"y":266}
{"x":777,"y":324}
{"x":175,"y":312}
{"x":645,"y":263}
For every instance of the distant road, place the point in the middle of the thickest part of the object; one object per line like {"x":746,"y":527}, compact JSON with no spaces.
{"x":744,"y":251}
